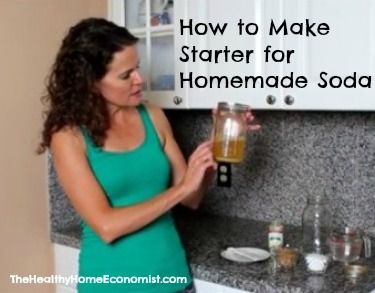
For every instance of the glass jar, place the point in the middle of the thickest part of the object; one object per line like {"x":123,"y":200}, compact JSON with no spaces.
{"x":316,"y":229}
{"x":275,"y":235}
{"x":230,"y":132}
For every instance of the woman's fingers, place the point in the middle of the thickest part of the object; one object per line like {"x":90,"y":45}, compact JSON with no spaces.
{"x":250,"y":118}
{"x":203,"y":155}
{"x":197,"y":169}
{"x":253,"y":127}
{"x":207,"y":145}
{"x":202,"y":159}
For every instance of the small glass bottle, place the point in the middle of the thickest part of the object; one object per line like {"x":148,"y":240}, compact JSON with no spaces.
{"x":230,"y":132}
{"x":275,"y":235}
{"x":316,"y":228}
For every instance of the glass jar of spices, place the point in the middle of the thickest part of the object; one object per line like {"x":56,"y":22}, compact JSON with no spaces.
{"x":275,"y":235}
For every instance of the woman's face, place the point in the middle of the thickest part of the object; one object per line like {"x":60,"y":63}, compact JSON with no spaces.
{"x":121,"y":86}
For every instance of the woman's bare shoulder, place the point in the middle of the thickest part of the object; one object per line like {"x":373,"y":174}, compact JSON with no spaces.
{"x":160,"y":122}
{"x":157,"y":114}
{"x":68,"y":136}
{"x":153,"y":109}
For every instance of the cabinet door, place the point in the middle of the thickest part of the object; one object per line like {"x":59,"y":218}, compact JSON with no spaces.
{"x":66,"y":263}
{"x":207,"y":287}
{"x":348,"y":48}
{"x":65,"y":289}
{"x":204,"y":94}
{"x":152,"y":21}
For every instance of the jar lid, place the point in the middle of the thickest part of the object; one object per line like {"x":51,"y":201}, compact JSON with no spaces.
{"x":232,"y":106}
{"x":277,"y":223}
{"x":355,"y":270}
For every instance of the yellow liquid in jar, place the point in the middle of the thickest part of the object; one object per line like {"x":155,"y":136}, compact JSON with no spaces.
{"x":230,"y":151}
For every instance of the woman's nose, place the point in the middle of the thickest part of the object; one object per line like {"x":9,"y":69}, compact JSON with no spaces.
{"x":137,"y":77}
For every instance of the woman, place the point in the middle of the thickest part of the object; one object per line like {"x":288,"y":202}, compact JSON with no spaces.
{"x":118,"y":163}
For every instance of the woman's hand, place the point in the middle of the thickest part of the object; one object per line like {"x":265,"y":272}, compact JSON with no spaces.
{"x":200,"y":162}
{"x":249,"y":120}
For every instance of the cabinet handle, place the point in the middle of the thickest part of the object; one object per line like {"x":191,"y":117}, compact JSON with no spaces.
{"x":289,"y":100}
{"x":177,"y":100}
{"x":271,"y":99}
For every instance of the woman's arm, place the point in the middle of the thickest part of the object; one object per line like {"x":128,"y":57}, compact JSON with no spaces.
{"x":177,"y":160}
{"x":179,"y":165}
{"x":87,"y":197}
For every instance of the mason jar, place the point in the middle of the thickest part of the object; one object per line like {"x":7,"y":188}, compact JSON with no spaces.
{"x":230,"y":132}
{"x":316,"y":229}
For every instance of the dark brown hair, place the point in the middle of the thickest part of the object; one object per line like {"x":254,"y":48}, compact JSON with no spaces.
{"x":82,"y":60}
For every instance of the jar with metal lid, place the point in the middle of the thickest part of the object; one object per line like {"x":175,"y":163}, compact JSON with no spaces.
{"x":275,"y":235}
{"x":230,"y":132}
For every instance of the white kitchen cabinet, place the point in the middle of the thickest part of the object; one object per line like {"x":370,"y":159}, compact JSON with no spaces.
{"x":207,"y":287}
{"x":152,"y":21}
{"x":231,"y":12}
{"x":347,"y":49}
{"x":161,"y":46}
{"x":65,"y":289}
{"x":66,"y":264}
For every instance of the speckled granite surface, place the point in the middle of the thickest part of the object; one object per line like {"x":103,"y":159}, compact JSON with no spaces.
{"x":205,"y":236}
{"x":61,"y":213}
{"x":294,"y":155}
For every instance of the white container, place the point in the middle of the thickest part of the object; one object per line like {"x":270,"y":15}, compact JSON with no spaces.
{"x":317,"y":263}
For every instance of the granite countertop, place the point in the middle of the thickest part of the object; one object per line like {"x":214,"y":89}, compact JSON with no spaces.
{"x":205,"y":236}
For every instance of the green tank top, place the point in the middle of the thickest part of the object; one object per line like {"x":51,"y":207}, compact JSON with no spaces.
{"x":154,"y":251}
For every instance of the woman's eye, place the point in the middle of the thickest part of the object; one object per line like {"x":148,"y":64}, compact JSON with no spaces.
{"x":124,"y":77}
{"x":127,"y":74}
